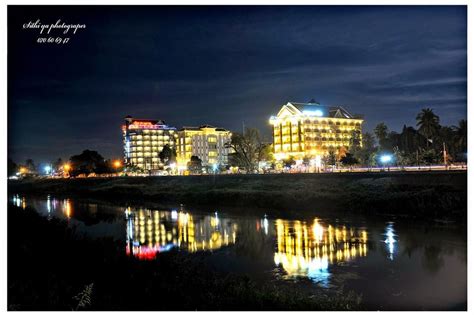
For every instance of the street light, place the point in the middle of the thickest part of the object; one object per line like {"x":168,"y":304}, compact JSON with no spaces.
{"x":66,"y":168}
{"x":47,"y":169}
{"x":385,"y":159}
{"x":117,"y":164}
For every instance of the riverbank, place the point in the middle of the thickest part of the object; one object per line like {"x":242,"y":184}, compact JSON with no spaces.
{"x":435,"y":195}
{"x":51,"y":267}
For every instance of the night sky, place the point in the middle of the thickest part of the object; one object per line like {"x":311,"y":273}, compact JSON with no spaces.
{"x":225,"y":65}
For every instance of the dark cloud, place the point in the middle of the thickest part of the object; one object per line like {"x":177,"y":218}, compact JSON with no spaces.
{"x":225,"y":66}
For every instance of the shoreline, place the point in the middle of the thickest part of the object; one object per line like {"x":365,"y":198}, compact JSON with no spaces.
{"x":434,"y":195}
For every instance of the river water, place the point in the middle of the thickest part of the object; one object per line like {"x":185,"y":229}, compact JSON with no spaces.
{"x":394,"y":265}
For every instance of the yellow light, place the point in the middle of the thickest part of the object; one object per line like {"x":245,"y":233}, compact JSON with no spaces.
{"x":23,"y":170}
{"x":117,"y":164}
{"x":67,"y":167}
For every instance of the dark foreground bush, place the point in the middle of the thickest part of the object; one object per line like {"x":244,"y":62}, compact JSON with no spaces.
{"x":51,"y":267}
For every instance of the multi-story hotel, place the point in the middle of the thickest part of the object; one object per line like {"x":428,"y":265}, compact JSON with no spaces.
{"x":206,"y":142}
{"x":144,"y":139}
{"x":311,"y":129}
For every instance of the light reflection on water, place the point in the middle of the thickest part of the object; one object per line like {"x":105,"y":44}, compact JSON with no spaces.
{"x":309,"y":250}
{"x":390,"y":240}
{"x":19,"y":201}
{"x":150,"y":232}
{"x":397,"y":268}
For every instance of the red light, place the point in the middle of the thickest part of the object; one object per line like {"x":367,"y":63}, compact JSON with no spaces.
{"x":144,"y":252}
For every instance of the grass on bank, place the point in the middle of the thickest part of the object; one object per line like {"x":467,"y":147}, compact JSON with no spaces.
{"x":437,"y":195}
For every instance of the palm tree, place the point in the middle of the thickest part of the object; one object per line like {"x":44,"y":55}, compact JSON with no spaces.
{"x":461,"y":135}
{"x":381,"y":131}
{"x":409,"y":139}
{"x":428,"y":124}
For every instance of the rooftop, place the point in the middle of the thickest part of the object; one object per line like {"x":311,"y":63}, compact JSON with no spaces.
{"x":139,"y":120}
{"x":313,"y":108}
{"x":202,"y":127}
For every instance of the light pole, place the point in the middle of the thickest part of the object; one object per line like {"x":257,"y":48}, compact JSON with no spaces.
{"x":23,"y":170}
{"x":66,"y":169}
{"x":385,"y":159}
{"x":117,"y":165}
{"x":47,"y":169}
{"x":445,"y":156}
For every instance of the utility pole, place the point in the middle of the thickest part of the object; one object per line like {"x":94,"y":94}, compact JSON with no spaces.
{"x":243,"y":127}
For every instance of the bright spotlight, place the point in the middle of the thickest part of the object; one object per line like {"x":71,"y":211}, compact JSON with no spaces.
{"x":385,"y":158}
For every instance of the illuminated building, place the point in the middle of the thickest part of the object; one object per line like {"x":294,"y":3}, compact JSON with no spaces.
{"x":206,"y":142}
{"x":143,"y":141}
{"x":151,"y":232}
{"x":309,"y":250}
{"x":312,"y":130}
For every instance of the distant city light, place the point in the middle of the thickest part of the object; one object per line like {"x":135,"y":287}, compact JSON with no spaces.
{"x":47,"y":169}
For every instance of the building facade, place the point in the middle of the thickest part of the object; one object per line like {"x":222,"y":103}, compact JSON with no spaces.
{"x":206,"y":142}
{"x":312,"y":130}
{"x":143,"y":141}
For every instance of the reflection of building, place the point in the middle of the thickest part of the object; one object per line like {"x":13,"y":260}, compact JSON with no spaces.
{"x":150,"y":232}
{"x":143,"y":141}
{"x":205,"y":142}
{"x":304,"y":250}
{"x":310,"y":129}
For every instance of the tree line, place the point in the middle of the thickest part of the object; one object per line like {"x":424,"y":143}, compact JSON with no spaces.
{"x":424,"y":145}
{"x":87,"y":162}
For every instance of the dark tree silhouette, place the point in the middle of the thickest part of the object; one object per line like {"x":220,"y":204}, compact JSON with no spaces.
{"x":249,"y":149}
{"x":461,"y":135}
{"x":428,"y":124}
{"x":87,"y":162}
{"x":57,"y":164}
{"x":30,"y":165}
{"x":12,"y":167}
{"x":349,"y":160}
{"x":195,"y":165}
{"x":167,"y":155}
